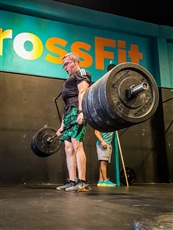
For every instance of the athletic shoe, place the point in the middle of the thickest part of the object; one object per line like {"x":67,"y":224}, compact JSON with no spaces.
{"x":108,"y":183}
{"x":77,"y":180}
{"x":78,"y":187}
{"x":100,"y":183}
{"x":66,"y":185}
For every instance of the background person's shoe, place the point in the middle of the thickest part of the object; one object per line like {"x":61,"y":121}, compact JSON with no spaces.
{"x":66,"y":185}
{"x":78,"y":187}
{"x":108,"y":183}
{"x":100,"y":183}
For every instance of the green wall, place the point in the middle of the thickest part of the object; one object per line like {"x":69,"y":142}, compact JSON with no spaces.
{"x":36,"y":34}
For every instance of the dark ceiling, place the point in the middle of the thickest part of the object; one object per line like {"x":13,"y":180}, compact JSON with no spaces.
{"x":157,"y":12}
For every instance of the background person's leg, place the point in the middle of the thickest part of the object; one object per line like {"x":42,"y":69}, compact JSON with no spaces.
{"x":103,"y":169}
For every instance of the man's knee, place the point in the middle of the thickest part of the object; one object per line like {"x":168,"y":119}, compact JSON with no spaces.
{"x":68,"y":148}
{"x":77,"y":145}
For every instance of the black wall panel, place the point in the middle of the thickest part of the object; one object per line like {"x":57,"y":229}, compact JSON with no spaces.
{"x":27,"y":105}
{"x":167,"y":115}
{"x":148,"y":147}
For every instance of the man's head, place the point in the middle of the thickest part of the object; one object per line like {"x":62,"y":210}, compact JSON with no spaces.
{"x":70,"y":63}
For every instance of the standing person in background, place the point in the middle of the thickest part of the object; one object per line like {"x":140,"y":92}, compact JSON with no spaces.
{"x":73,"y":126}
{"x":104,"y":152}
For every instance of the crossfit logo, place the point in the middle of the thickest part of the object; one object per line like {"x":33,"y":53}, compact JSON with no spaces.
{"x":28,"y":46}
{"x":35,"y":43}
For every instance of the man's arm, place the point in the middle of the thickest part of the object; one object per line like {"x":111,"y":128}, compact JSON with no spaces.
{"x":82,"y":88}
{"x":59,"y":131}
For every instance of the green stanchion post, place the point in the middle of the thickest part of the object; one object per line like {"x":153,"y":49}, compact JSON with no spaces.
{"x":116,"y":154}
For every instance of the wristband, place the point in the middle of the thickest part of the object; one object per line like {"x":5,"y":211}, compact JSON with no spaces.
{"x":79,"y":111}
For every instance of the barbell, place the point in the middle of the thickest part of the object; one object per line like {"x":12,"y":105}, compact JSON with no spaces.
{"x":125,"y":96}
{"x":45,"y":142}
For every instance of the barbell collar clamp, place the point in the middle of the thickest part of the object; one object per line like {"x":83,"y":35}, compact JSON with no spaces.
{"x":50,"y":139}
{"x":134,"y":91}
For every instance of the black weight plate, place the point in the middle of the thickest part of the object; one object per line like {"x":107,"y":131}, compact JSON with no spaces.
{"x":96,"y":110}
{"x":107,"y":107}
{"x":131,"y":176}
{"x":41,"y":137}
{"x":43,"y":148}
{"x":87,"y":115}
{"x":35,"y":149}
{"x":142,"y":106}
{"x":100,"y":104}
{"x":112,"y":116}
{"x":32,"y":145}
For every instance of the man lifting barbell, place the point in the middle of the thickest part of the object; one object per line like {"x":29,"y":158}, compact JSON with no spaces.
{"x":73,"y":126}
{"x":125,"y":96}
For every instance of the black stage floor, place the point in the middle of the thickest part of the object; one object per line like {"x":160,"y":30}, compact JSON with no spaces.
{"x":39,"y":207}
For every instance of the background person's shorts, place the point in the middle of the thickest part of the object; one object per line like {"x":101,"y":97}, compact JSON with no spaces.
{"x":72,"y":128}
{"x":104,"y":154}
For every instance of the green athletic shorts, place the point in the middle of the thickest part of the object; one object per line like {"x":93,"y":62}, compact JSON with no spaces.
{"x":72,"y":128}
